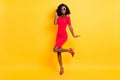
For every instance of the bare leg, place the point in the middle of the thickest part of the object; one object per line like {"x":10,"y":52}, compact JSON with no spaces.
{"x":60,"y":59}
{"x":60,"y":62}
{"x":56,"y":49}
{"x":59,"y":50}
{"x":70,"y":50}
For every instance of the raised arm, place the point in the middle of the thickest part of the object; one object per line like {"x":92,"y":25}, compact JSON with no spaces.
{"x":55,"y":18}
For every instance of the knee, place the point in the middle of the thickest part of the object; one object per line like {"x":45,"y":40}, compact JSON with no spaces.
{"x":55,"y":49}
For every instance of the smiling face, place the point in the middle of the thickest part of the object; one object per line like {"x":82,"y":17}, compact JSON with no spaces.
{"x":63,"y":10}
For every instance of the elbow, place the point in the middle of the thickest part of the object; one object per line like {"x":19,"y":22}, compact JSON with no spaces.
{"x":70,"y":27}
{"x":55,"y":23}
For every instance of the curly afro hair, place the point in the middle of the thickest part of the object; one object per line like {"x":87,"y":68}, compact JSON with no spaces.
{"x":59,"y":13}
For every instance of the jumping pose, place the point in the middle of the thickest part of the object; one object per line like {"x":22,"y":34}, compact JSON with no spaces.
{"x":62,"y":19}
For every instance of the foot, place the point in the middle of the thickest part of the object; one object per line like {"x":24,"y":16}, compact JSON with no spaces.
{"x":72,"y":52}
{"x":61,"y":71}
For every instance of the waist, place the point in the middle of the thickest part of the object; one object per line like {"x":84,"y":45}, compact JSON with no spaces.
{"x":62,"y":33}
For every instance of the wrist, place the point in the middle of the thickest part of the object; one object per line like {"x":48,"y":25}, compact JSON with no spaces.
{"x":73,"y":35}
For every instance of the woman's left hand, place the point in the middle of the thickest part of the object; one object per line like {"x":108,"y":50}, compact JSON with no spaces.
{"x":76,"y":36}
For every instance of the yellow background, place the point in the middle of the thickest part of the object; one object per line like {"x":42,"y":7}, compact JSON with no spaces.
{"x":27,"y":38}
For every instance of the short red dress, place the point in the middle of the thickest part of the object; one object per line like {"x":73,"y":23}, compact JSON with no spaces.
{"x":61,"y":36}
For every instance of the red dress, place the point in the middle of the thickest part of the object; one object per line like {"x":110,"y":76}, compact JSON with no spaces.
{"x":61,"y":36}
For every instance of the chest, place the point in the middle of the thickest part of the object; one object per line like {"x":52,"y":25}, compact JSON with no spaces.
{"x":62,"y":21}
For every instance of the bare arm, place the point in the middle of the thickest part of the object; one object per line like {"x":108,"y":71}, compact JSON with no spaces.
{"x":72,"y":32}
{"x":55,"y":18}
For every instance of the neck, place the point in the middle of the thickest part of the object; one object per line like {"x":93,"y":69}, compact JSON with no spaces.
{"x":62,"y":15}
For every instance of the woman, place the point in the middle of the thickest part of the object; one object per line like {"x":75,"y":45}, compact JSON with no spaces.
{"x":62,"y":18}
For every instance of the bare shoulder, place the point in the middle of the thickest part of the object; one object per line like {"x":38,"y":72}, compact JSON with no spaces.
{"x":68,"y":15}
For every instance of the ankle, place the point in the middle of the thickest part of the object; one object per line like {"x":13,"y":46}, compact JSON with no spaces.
{"x":69,"y":50}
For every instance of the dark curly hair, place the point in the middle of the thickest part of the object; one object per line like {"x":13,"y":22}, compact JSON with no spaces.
{"x":59,"y":13}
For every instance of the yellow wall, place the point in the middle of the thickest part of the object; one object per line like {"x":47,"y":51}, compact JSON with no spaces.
{"x":27,"y":35}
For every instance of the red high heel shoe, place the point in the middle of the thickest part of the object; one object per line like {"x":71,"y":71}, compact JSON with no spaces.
{"x":72,"y":52}
{"x":61,"y":71}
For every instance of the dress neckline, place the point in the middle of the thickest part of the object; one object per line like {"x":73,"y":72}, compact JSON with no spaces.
{"x":63,"y":16}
